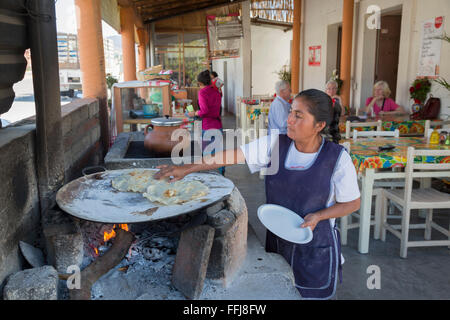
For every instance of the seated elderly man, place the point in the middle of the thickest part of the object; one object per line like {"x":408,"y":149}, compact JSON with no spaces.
{"x":279,"y":109}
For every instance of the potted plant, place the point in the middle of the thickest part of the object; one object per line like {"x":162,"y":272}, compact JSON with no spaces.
{"x":441,"y":81}
{"x":418,"y":92}
{"x":284,"y":73}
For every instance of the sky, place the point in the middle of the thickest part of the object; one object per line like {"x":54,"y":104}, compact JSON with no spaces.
{"x":66,"y":19}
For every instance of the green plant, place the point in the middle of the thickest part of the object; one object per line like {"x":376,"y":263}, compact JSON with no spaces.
{"x":441,"y":81}
{"x":110,"y":80}
{"x":284,"y":73}
{"x":420,"y":89}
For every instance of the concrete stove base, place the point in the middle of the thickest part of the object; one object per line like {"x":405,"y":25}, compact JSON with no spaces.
{"x":120,"y":157}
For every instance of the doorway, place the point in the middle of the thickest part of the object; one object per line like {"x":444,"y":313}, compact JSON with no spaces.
{"x":387,"y":50}
{"x":334,"y":41}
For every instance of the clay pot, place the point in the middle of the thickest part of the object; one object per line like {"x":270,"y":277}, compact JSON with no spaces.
{"x":159,"y":138}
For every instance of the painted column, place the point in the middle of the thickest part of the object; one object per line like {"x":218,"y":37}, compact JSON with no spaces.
{"x":246,"y":50}
{"x":346,"y":50}
{"x":142,"y":59}
{"x":295,"y":55}
{"x":92,"y":60}
{"x":128,"y":49}
{"x":152,"y":40}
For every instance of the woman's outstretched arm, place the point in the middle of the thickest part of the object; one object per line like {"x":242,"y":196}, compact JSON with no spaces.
{"x":210,"y":162}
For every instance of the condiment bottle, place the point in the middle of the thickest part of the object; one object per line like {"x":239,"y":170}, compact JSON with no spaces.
{"x":434,"y":138}
{"x":443,"y":137}
{"x":447,"y":140}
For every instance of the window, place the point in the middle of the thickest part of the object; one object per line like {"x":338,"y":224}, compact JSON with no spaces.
{"x":183,"y":53}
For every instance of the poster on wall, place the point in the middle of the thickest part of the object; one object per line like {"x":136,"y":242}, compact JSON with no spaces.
{"x":315,"y":53}
{"x":430,"y":47}
{"x":224,"y":36}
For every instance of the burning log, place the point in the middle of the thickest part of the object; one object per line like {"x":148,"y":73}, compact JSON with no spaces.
{"x":103,"y":264}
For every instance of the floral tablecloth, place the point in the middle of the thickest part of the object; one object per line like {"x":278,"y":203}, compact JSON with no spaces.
{"x":405,"y":127}
{"x":365,"y":152}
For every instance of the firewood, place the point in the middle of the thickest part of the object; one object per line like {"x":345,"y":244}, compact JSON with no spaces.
{"x":103,"y":264}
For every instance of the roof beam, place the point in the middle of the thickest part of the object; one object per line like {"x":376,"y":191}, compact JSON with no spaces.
{"x":161,"y":7}
{"x":138,"y":21}
{"x":154,"y":4}
{"x":189,"y":9}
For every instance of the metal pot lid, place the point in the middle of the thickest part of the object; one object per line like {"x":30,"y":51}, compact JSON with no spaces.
{"x":167,"y":122}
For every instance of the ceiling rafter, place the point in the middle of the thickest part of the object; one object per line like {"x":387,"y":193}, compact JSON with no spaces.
{"x":186,"y":7}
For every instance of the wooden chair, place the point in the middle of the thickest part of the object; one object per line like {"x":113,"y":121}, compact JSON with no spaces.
{"x":422,"y":198}
{"x":357,"y":134}
{"x":349,"y":125}
{"x":346,"y":222}
{"x":427,"y":127}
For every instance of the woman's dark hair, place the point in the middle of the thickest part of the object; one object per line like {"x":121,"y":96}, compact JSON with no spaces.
{"x":214,"y":74}
{"x":204,"y":77}
{"x":320,"y":105}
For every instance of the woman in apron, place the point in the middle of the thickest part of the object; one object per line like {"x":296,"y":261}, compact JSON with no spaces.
{"x":307,"y":174}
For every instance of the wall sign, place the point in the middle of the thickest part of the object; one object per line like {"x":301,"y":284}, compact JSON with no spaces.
{"x":430,"y":47}
{"x":315,"y":55}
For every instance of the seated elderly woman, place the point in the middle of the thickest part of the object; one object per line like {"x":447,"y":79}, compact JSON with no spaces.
{"x":331,"y":88}
{"x":380,"y":101}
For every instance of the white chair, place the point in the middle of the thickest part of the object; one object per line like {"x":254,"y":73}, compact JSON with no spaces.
{"x":349,"y":125}
{"x":422,"y":198}
{"x":442,"y":123}
{"x":427,"y":127}
{"x":346,"y":223}
{"x":394,"y":134}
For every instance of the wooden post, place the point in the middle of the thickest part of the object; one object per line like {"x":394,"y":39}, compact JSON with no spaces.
{"x":92,"y":60}
{"x":346,"y":51}
{"x":246,"y":50}
{"x":128,"y":52}
{"x":49,"y":137}
{"x":295,"y":54}
{"x":142,"y":37}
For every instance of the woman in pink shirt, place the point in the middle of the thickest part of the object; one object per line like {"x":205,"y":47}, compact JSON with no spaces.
{"x":209,"y":101}
{"x":380,"y":102}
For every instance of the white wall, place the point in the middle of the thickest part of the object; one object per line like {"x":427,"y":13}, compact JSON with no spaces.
{"x":271,"y":49}
{"x":319,"y":15}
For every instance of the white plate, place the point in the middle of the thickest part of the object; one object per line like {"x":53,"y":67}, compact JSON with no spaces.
{"x":284,"y":223}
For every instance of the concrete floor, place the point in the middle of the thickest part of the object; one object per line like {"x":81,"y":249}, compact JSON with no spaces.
{"x":423,"y":275}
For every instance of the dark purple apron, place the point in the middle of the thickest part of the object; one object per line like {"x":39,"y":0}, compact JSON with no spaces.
{"x":307,"y":190}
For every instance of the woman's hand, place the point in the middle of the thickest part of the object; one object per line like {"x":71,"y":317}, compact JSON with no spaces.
{"x":191,"y":114}
{"x":174,"y":173}
{"x":311,"y":220}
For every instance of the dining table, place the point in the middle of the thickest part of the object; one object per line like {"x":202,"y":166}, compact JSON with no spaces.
{"x":372,"y":164}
